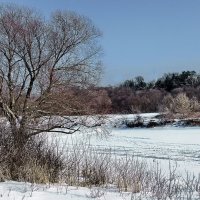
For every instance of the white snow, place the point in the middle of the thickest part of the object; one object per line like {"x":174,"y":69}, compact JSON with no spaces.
{"x":179,"y":145}
{"x":25,"y":191}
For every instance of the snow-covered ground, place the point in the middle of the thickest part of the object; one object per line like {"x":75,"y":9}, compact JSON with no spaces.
{"x":179,"y":145}
{"x":26,"y":191}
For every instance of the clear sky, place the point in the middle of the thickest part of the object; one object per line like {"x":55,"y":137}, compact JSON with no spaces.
{"x":140,"y":37}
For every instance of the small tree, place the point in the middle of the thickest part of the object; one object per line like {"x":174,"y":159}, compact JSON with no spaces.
{"x":37,"y":58}
{"x":182,"y":104}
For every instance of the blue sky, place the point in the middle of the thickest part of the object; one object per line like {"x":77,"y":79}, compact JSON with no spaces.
{"x":140,"y":37}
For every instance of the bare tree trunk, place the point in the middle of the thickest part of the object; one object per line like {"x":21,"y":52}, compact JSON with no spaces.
{"x":19,"y":138}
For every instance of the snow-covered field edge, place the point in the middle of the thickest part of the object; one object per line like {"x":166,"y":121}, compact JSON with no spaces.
{"x":126,"y":149}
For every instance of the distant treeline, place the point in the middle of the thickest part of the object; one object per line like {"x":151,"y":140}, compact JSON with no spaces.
{"x":167,"y":82}
{"x":137,"y":95}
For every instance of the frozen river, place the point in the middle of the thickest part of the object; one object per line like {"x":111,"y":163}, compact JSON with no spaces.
{"x":179,"y":145}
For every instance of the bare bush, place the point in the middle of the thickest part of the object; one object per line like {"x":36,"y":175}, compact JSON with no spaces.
{"x":138,"y":121}
{"x":195,"y":105}
{"x":181,"y":105}
{"x":167,"y":103}
{"x":40,"y":162}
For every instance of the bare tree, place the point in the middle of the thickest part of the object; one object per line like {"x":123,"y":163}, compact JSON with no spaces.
{"x":182,"y":104}
{"x":39,"y":57}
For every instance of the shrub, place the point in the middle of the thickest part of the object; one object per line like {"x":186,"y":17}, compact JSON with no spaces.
{"x":182,"y":104}
{"x":153,"y":124}
{"x":195,"y":105}
{"x":39,"y":161}
{"x":137,"y":122}
{"x":167,"y":103}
